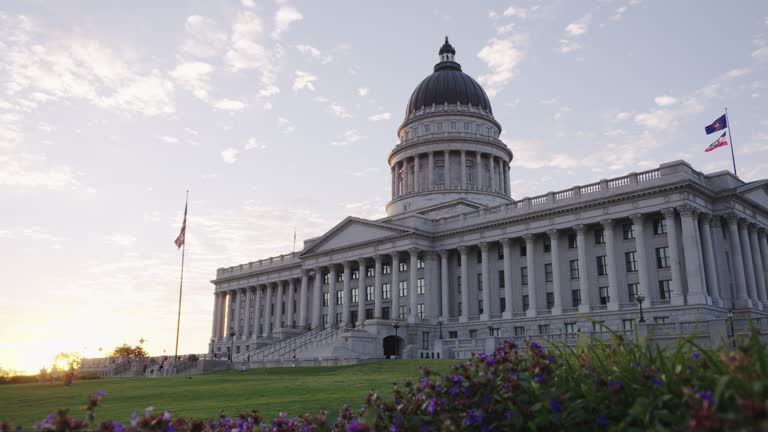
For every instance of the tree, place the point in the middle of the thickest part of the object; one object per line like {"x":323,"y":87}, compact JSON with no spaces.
{"x":66,"y":360}
{"x":128,"y":351}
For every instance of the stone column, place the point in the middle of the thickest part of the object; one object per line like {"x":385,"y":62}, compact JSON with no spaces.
{"x":361,"y":290}
{"x":463,"y":251}
{"x":268,"y":311}
{"x":758,"y":264}
{"x":257,"y":313}
{"x":214,"y":326}
{"x":412,"y":317}
{"x":332,"y":294}
{"x":709,"y":259}
{"x":742,"y":300}
{"x":492,"y":169}
{"x":697,"y":229}
{"x":763,"y":241}
{"x":416,"y":174}
{"x":238,"y":303}
{"x":613,"y":268}
{"x":395,"y":285}
{"x":246,"y":321}
{"x":505,"y":171}
{"x":479,"y":169}
{"x":530,"y":254}
{"x":317,"y":299}
{"x":431,"y":173}
{"x":463,"y":169}
{"x":581,"y":243}
{"x":291,"y":300}
{"x":377,"y":297}
{"x":673,"y":242}
{"x":397,"y":179}
{"x":643,"y":262}
{"x":749,"y":263}
{"x":691,"y":253}
{"x":447,"y":168}
{"x":506,"y":245}
{"x":303,"y":298}
{"x":392,"y":171}
{"x":445,"y":310}
{"x":279,"y":306}
{"x":347,"y":293}
{"x":486,"y":280}
{"x":557,"y":280}
{"x":431,"y":293}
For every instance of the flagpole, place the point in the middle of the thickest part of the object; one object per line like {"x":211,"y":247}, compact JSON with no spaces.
{"x":730,"y":138}
{"x":181,"y":280}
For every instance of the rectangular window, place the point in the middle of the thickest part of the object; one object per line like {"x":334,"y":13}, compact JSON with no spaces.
{"x":572,"y":240}
{"x":631,"y":259}
{"x":548,"y":272}
{"x":466,"y":126}
{"x":425,"y":340}
{"x":519,"y":331}
{"x":576,"y":298}
{"x":503,"y":305}
{"x":426,"y":128}
{"x":659,"y":225}
{"x":501,"y":278}
{"x":550,"y":300}
{"x":604,"y":297}
{"x":326,"y":296}
{"x":355,"y":296}
{"x":543,"y":329}
{"x":369,"y":293}
{"x":480,"y":307}
{"x":501,"y":253}
{"x":479,"y":281}
{"x":523,"y":250}
{"x":339,"y":297}
{"x":355,"y":274}
{"x":525,"y":302}
{"x":453,"y":125}
{"x":403,"y":312}
{"x":599,"y":236}
{"x":453,"y":334}
{"x":370,"y":271}
{"x":459,"y":309}
{"x":326,"y":278}
{"x":403,"y":266}
{"x":325,"y":320}
{"x":524,"y":275}
{"x":574,"y":266}
{"x":602,"y":266}
{"x":386,"y":291}
{"x":661,"y":319}
{"x":473,"y":334}
{"x":628,"y":230}
{"x":420,"y":310}
{"x":662,"y":257}
{"x":419,"y":263}
{"x":338,"y":317}
{"x":547,"y":245}
{"x":479,"y":257}
{"x":385,"y":313}
{"x":599,"y":326}
{"x":369,"y":314}
{"x":403,"y":288}
{"x":440,"y":127}
{"x":628,"y":324}
{"x":570,"y":327}
{"x":665,"y":291}
{"x":632,"y":292}
{"x":340,"y":277}
{"x":420,"y":286}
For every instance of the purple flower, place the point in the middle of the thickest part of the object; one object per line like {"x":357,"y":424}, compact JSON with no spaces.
{"x":554,"y":405}
{"x":472,"y":417}
{"x":636,"y":365}
{"x":509,"y":415}
{"x":486,"y":399}
{"x":169,"y":428}
{"x":601,"y":420}
{"x":166,"y":416}
{"x":100,"y":393}
{"x":135,"y":419}
{"x":696,"y":355}
{"x":707,"y":396}
{"x":431,"y":406}
{"x":19,"y":428}
{"x":655,"y":381}
{"x":424,"y":428}
{"x":538,"y":378}
{"x":148,"y":410}
{"x":457,"y":379}
{"x":550,"y":359}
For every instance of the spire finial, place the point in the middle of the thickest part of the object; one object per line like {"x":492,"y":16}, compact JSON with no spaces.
{"x":446,"y":38}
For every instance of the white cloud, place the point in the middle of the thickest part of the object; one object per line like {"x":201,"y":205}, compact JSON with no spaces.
{"x":285,"y":16}
{"x":665,"y":100}
{"x":229,"y":105}
{"x":623,"y":115}
{"x":339,"y":110}
{"x":502,"y":56}
{"x":362,"y":91}
{"x":284,"y":125}
{"x":658,"y":119}
{"x":572,"y":32}
{"x":350,"y":136}
{"x":30,"y":170}
{"x":204,"y":38}
{"x":169,"y":139}
{"x":245,"y":52}
{"x":314,"y":53}
{"x":124,"y":240}
{"x":304,"y":80}
{"x":253,"y":144}
{"x":230,"y":155}
{"x":194,"y":76}
{"x":248,"y":3}
{"x":761,"y":54}
{"x":380,"y":116}
{"x":267,"y":106}
{"x":516,"y":12}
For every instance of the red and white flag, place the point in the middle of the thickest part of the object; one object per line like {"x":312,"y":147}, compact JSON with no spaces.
{"x":721,"y":141}
{"x":180,"y":238}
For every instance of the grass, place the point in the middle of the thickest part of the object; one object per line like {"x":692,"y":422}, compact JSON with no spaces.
{"x":294,"y":390}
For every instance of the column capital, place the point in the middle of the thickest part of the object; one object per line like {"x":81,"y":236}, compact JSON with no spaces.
{"x":636,"y":218}
{"x":763,"y":233}
{"x":706,"y":217}
{"x":668,"y":212}
{"x":553,"y":233}
{"x":732,"y":218}
{"x":378,"y":258}
{"x":317,"y":269}
{"x":444,"y":253}
{"x":608,"y":224}
{"x":506,"y":242}
{"x":395,"y":255}
{"x":413,"y":250}
{"x":529,"y":238}
{"x":463,"y":250}
{"x":347,"y":264}
{"x":483,"y":247}
{"x":580,"y":229}
{"x":686,"y":210}
{"x":361,"y":262}
{"x":430,"y":253}
{"x":717,"y":222}
{"x":752,"y":228}
{"x":743,"y":223}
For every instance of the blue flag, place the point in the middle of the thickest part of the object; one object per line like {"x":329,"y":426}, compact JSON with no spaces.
{"x":717,"y":125}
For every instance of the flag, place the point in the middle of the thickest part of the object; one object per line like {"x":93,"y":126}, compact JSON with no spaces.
{"x":180,"y":239}
{"x":719,"y":143}
{"x":717,"y":125}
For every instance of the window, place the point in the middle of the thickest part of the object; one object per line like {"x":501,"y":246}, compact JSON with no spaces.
{"x":550,"y":300}
{"x":519,"y":331}
{"x":547,"y":245}
{"x":500,"y":251}
{"x":369,"y":293}
{"x":325,"y":278}
{"x":386,"y":269}
{"x":631,"y":260}
{"x":420,"y":310}
{"x":355,"y":274}
{"x":599,"y":326}
{"x":385,"y":313}
{"x":572,"y":240}
{"x":386,"y":291}
{"x":662,"y":257}
{"x":503,"y":305}
{"x":570,"y":327}
{"x":325,"y":320}
{"x":478,"y":129}
{"x":460,"y":310}
{"x":420,"y":286}
{"x":523,"y":250}
{"x":419,"y":263}
{"x":355,"y":296}
{"x":525,"y":302}
{"x":339,"y":297}
{"x":440,"y":127}
{"x":604,"y":297}
{"x":403,"y":266}
{"x":403,"y":288}
{"x":458,"y":283}
{"x":427,"y":128}
{"x":466,"y":126}
{"x":543,"y":329}
{"x":632,"y":292}
{"x":453,"y":125}
{"x":602,"y":266}
{"x":574,"y":266}
{"x":665,"y":291}
{"x":473,"y":334}
{"x":403,"y":312}
{"x":628,"y":324}
{"x":425,"y":340}
{"x":524,"y":275}
{"x":488,"y":131}
{"x":369,"y":314}
{"x":661,"y":320}
{"x":470,"y":172}
{"x":340,"y":277}
{"x":659,"y":225}
{"x":479,"y":281}
{"x":576,"y":298}
{"x":325,"y":299}
{"x":628,"y":230}
{"x":338,"y":317}
{"x":479,"y":257}
{"x":480,"y":307}
{"x":369,"y":271}
{"x":599,"y":236}
{"x":501,"y":279}
{"x":453,"y":334}
{"x":548,"y":272}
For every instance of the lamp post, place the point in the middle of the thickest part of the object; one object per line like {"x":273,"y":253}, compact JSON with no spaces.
{"x":733,"y":331}
{"x":640,"y":299}
{"x":232,"y":347}
{"x":440,"y":326}
{"x":396,"y":325}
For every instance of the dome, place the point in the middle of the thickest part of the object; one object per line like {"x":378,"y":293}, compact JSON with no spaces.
{"x":448,"y":84}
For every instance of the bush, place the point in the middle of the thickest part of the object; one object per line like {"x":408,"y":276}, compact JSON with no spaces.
{"x":88,"y":375}
{"x":192,"y":357}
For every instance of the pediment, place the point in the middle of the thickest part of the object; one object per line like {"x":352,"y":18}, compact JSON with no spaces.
{"x":450,"y":209}
{"x":757,"y":193}
{"x":352,"y":231}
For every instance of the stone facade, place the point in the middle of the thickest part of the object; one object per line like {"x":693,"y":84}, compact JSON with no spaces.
{"x":458,"y":263}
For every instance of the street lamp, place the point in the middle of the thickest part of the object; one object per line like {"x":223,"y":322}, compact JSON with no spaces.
{"x":141,"y":341}
{"x":232,"y":347}
{"x":396,"y":325}
{"x":440,"y":326}
{"x":733,"y":332}
{"x":640,"y":299}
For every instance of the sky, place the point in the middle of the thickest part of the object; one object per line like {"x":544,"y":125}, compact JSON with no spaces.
{"x":279,"y":115}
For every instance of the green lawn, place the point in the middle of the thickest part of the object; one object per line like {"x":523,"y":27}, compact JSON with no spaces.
{"x":294,"y":390}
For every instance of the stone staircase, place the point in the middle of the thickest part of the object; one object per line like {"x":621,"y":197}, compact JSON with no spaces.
{"x":292,"y":347}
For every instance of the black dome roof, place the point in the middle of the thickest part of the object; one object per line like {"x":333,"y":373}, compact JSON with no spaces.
{"x":448,"y":84}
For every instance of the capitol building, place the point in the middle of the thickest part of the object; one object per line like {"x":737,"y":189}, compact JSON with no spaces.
{"x":458,"y":264}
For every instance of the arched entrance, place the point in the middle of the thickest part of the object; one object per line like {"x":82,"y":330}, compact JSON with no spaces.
{"x":393,"y":346}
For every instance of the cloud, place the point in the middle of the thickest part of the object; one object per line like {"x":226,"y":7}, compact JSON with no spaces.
{"x":314,"y":53}
{"x":380,"y":116}
{"x":169,"y":139}
{"x":350,"y":136}
{"x":621,"y":10}
{"x":124,"y":240}
{"x":502,"y":56}
{"x":760,"y":54}
{"x":572,"y":32}
{"x":246,"y":53}
{"x":267,"y":106}
{"x":362,"y":91}
{"x":339,"y":111}
{"x":657,"y":119}
{"x":285,"y":16}
{"x":194,"y":76}
{"x":31,"y":170}
{"x":230,"y":155}
{"x":623,"y":115}
{"x":203,"y":37}
{"x":304,"y":80}
{"x":230,"y":105}
{"x":665,"y":100}
{"x":253,"y":144}
{"x":516,"y":12}
{"x":284,"y":125}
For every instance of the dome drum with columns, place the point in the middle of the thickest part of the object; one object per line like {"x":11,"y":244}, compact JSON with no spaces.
{"x":459,"y":265}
